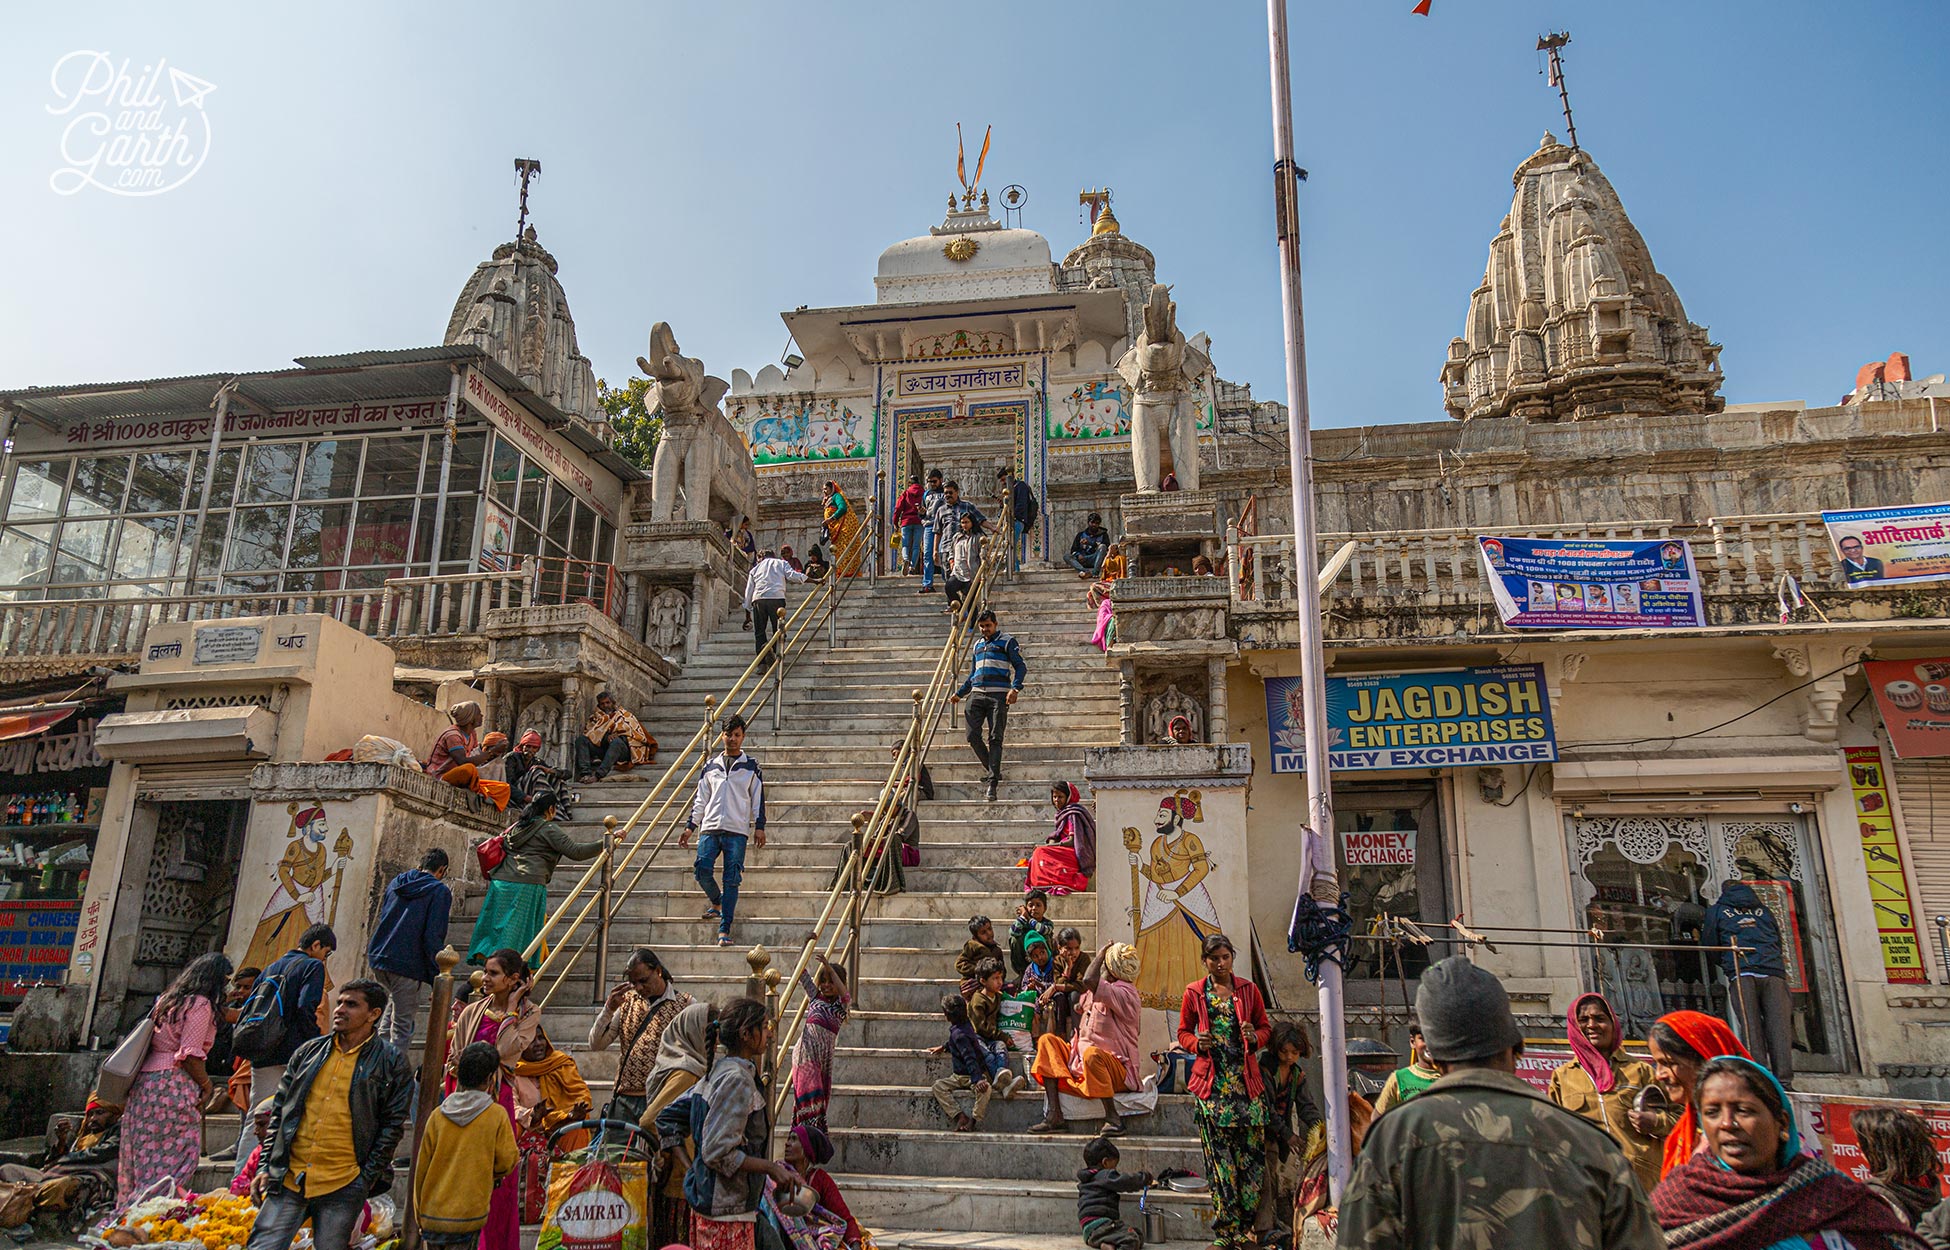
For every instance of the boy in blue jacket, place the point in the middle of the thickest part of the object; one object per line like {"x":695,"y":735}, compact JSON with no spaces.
{"x":411,"y":929}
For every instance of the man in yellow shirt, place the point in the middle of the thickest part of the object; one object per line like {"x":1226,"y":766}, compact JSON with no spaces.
{"x":335,"y":1123}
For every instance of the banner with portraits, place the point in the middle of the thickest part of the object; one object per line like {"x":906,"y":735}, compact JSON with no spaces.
{"x":1580,"y":583}
{"x":1878,"y":546}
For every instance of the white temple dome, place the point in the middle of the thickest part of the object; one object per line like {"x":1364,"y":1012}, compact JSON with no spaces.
{"x":968,"y":256}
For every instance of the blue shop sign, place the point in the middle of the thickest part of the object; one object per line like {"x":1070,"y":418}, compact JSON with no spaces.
{"x":1454,"y":719}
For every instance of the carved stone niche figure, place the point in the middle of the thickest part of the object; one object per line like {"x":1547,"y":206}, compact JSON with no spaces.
{"x":670,"y":618}
{"x":686,"y":397}
{"x":544,"y":716}
{"x":1160,"y":369}
{"x":1170,"y":702}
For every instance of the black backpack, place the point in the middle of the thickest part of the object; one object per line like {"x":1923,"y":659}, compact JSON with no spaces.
{"x":260,"y":1028}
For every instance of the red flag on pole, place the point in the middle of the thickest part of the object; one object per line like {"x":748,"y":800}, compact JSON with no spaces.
{"x":1423,"y":8}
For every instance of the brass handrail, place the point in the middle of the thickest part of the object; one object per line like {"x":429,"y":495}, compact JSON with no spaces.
{"x":875,"y":837}
{"x":787,"y":642}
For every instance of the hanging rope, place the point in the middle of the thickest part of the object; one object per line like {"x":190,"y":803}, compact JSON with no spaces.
{"x":1320,"y":933}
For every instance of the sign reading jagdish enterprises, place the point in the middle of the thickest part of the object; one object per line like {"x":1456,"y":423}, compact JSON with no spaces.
{"x":1454,"y":719}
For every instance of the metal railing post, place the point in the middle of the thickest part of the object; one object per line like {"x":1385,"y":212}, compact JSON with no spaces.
{"x":433,"y":1058}
{"x":861,"y":874}
{"x":603,"y":913}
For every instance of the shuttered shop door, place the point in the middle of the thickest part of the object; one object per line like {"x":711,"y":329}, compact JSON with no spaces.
{"x":1923,"y":789}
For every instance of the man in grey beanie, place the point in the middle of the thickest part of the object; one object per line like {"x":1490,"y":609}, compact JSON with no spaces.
{"x":1480,"y":1160}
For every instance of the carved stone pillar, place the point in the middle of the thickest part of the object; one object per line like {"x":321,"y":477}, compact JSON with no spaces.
{"x":1215,"y":703}
{"x":1127,"y":702}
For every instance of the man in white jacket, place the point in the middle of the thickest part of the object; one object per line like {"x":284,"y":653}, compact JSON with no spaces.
{"x":729,"y":807}
{"x":765,"y":598}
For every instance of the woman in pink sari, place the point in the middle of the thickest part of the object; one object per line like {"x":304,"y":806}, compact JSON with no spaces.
{"x":1065,"y":860}
{"x":504,"y":1017}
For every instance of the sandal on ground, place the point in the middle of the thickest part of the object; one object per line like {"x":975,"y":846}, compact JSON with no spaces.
{"x":711,"y":913}
{"x":724,"y":939}
{"x":1044,"y":1126}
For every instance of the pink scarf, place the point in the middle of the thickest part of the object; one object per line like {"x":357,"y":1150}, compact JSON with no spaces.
{"x":1597,"y":1066}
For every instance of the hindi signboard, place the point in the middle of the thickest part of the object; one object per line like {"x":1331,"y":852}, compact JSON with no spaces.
{"x":1579,"y":583}
{"x":1824,"y":1121}
{"x":1451,"y":718}
{"x":1882,"y":859}
{"x":227,"y":644}
{"x":1876,"y":546}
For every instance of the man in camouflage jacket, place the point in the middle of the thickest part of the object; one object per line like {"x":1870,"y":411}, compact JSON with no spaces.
{"x":1481,"y":1161}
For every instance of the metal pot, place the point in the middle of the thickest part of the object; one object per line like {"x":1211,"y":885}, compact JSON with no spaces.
{"x":1154,"y":1226}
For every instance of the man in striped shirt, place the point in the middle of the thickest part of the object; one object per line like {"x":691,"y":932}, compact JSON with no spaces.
{"x":995,"y":677}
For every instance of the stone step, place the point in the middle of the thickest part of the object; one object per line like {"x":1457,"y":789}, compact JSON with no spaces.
{"x":999,"y":1155}
{"x":674,"y":876}
{"x":755,"y":898}
{"x":1010,"y":1214}
{"x":889,"y":1106}
{"x":944,"y":934}
{"x":794,"y":799}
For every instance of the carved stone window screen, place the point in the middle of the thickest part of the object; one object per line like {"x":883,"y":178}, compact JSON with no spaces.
{"x":1643,"y":840}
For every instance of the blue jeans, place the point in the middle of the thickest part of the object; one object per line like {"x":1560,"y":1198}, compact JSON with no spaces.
{"x":1087,"y":564}
{"x":911,"y":546}
{"x":714,"y":843}
{"x":927,"y":557}
{"x":996,"y":1054}
{"x":333,"y":1216}
{"x":1021,"y":550}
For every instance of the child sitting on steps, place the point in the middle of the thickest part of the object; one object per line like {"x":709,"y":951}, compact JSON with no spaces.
{"x":974,"y":1071}
{"x":980,"y":945}
{"x":985,"y":1014}
{"x":1100,"y":1187}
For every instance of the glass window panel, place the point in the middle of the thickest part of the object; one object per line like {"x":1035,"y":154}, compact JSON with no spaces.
{"x":383,"y":532}
{"x":362,"y":579}
{"x":147,"y":548}
{"x":159,"y":480}
{"x":138,"y":590}
{"x":257,"y":538}
{"x":37,"y":489}
{"x":331,"y":469}
{"x":605,"y":542}
{"x":82,"y":555}
{"x":319,"y":579}
{"x":504,"y":473}
{"x":98,"y":485}
{"x":223,"y":483}
{"x":465,"y":473}
{"x":26,"y":552}
{"x":456,"y":530}
{"x":534,"y":493}
{"x":393,"y":466}
{"x":579,"y":534}
{"x":561,"y":510}
{"x":251,"y":584}
{"x":1640,"y":905}
{"x":318,"y":536}
{"x":270,"y":473}
{"x":528,"y":540}
{"x":1413,"y":889}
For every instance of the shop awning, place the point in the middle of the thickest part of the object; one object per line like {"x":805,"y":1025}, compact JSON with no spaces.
{"x":196,"y":733}
{"x":28,"y":720}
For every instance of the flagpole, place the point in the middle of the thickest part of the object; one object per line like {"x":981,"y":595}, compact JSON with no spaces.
{"x":1313,"y":664}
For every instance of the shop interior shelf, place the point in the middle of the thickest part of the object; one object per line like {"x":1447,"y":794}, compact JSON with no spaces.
{"x":52,"y":826}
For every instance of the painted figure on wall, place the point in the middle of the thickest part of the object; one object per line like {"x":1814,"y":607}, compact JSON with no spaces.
{"x":794,"y":428}
{"x":1098,"y":410}
{"x":1173,"y":911}
{"x":307,"y":891}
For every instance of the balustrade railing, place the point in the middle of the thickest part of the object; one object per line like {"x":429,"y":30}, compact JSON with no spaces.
{"x":403,"y":607}
{"x":1734,"y":555}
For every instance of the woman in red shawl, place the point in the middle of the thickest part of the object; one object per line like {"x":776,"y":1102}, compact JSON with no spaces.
{"x":1065,"y":860}
{"x":1752,"y":1188}
{"x":1680,"y":1042}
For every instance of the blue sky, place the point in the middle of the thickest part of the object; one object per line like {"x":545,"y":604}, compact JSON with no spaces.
{"x":713,"y":164}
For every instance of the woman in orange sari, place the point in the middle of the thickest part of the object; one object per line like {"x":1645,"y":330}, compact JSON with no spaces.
{"x":460,"y":752}
{"x":843,"y":532}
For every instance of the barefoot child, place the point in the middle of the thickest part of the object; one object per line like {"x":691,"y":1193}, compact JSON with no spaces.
{"x":827,"y":1004}
{"x":972,"y":1067}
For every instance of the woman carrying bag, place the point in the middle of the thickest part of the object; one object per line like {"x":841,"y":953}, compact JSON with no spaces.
{"x":162,"y":1120}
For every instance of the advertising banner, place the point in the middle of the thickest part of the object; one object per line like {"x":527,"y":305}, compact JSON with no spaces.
{"x":1450,"y":719}
{"x":497,"y":537}
{"x":1576,"y":583}
{"x":1824,"y":1120}
{"x":1882,"y":858}
{"x":1914,"y":699}
{"x":1876,"y":546}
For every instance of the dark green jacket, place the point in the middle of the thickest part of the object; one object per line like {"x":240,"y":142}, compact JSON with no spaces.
{"x":1481,"y":1161}
{"x":534,"y":851}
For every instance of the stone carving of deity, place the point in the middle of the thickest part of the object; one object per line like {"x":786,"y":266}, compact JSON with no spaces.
{"x":670,"y":617}
{"x":1170,"y":702}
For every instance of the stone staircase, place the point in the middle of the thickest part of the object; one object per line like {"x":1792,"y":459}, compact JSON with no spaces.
{"x":845,"y":707}
{"x":904,"y":1174}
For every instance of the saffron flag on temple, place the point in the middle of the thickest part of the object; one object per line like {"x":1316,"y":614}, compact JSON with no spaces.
{"x":1590,"y":583}
{"x":1877,"y":546}
{"x":1423,"y":8}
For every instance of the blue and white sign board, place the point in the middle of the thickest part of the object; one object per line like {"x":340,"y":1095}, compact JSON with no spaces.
{"x":1577,"y":583}
{"x":1452,"y":719}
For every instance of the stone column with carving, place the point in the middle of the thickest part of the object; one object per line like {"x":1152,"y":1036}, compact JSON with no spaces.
{"x":1216,"y":713}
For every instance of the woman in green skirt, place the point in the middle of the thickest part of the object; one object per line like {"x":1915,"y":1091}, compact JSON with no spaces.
{"x":517,"y":892}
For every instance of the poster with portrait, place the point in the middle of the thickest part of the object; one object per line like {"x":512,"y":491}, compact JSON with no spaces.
{"x":1880,"y":546}
{"x":1576,"y":583}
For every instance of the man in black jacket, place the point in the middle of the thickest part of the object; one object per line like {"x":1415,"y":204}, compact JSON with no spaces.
{"x":1022,"y":515}
{"x":1759,"y":976}
{"x":335,"y":1123}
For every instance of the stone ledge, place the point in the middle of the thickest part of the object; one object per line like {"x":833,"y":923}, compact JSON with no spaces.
{"x":343,"y":779}
{"x":1144,"y":767}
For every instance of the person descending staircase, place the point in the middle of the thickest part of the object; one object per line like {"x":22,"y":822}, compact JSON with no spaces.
{"x":905,"y":1173}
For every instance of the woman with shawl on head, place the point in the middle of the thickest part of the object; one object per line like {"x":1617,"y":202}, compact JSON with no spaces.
{"x":1681,"y":1041}
{"x":1065,"y":860}
{"x":460,"y":753}
{"x":830,"y":1224}
{"x":549,"y":1092}
{"x":683,"y":1059}
{"x":1751,"y":1187}
{"x":1103,"y":1060}
{"x":842,"y":531}
{"x":1602,"y":1085}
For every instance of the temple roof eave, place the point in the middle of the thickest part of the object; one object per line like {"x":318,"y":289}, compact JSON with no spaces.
{"x":822,"y":333}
